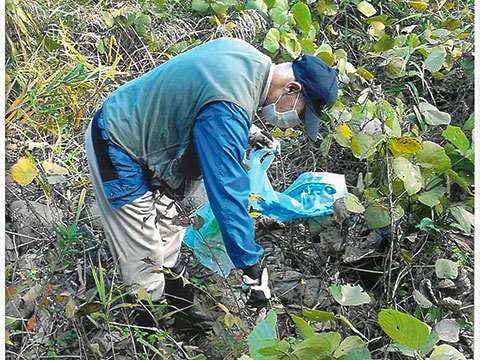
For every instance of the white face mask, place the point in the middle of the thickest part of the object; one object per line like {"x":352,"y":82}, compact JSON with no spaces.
{"x":283,"y":120}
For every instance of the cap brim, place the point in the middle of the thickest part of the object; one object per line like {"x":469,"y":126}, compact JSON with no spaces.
{"x":312,"y":121}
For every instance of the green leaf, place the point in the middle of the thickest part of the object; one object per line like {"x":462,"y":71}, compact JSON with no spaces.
{"x":446,"y":269}
{"x":305,"y":329}
{"x":432,"y":340}
{"x":318,"y":315}
{"x":9,"y":320}
{"x":317,"y":346}
{"x":379,"y":18}
{"x":100,"y":46}
{"x":397,"y":212}
{"x":432,"y":197}
{"x":202,"y":357}
{"x":263,"y":335}
{"x":89,"y":308}
{"x":432,"y":115}
{"x":280,"y":348}
{"x":404,"y":328}
{"x":333,"y":338}
{"x":364,"y":144}
{"x":349,"y":295}
{"x":349,"y":344}
{"x":470,"y":123}
{"x":200,"y":5}
{"x":108,"y":18}
{"x":432,"y":156}
{"x":377,"y":217}
{"x":457,"y":137}
{"x":435,"y":59}
{"x":302,"y":15}
{"x":357,"y":354}
{"x":291,"y":44}
{"x":366,"y":9}
{"x":220,"y":6}
{"x":327,"y":7}
{"x":410,"y":174}
{"x":48,"y":43}
{"x":271,"y":42}
{"x":385,"y":43}
{"x":270,"y":3}
{"x":353,"y":204}
{"x":308,"y":46}
{"x":143,"y":19}
{"x":453,"y":176}
{"x":464,"y":218}
{"x":258,"y":5}
{"x":280,"y":14}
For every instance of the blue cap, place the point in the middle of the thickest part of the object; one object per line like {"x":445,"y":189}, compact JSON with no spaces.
{"x":320,"y":87}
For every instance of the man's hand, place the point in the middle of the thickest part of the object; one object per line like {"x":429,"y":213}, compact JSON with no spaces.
{"x":259,"y":139}
{"x":259,"y":292}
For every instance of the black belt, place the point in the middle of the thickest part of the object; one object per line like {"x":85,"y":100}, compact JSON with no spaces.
{"x":107,"y":169}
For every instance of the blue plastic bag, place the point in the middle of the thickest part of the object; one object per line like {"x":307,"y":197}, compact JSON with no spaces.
{"x":312,"y":194}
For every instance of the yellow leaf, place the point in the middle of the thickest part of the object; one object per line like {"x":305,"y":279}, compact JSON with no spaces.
{"x":406,"y":257}
{"x":340,"y":54}
{"x":355,"y":146}
{"x":332,"y":30}
{"x":345,"y":130}
{"x":277,"y":133}
{"x":366,"y":8}
{"x":224,"y":308}
{"x":229,"y":320}
{"x":52,"y":168}
{"x":70,"y":308}
{"x":254,"y":197}
{"x":255,"y":214}
{"x":327,"y":57}
{"x":449,"y":5}
{"x":418,"y":5}
{"x":376,"y":28}
{"x":142,"y":293}
{"x":7,"y":338}
{"x":89,"y":308}
{"x":24,"y":171}
{"x":367,"y":75}
{"x":79,"y":118}
{"x":405,"y":145}
{"x":238,"y":322}
{"x":288,"y":132}
{"x":394,"y":67}
{"x":230,"y":25}
{"x":438,"y":75}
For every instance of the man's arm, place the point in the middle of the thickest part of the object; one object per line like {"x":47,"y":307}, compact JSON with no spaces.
{"x":221,"y":137}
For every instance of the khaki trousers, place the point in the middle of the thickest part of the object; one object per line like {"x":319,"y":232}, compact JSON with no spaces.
{"x":140,"y":234}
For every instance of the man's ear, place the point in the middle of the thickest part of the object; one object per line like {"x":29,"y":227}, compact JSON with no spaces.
{"x":292,"y":87}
